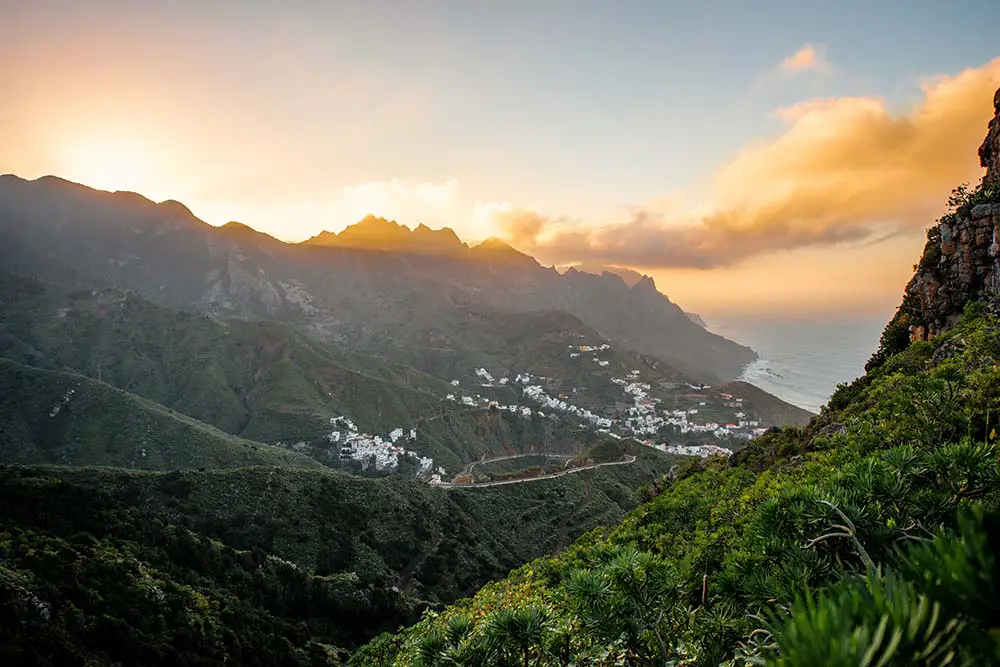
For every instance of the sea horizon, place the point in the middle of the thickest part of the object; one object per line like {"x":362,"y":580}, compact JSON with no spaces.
{"x":801,"y":360}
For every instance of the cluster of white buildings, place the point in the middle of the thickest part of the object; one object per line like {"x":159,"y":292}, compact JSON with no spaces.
{"x":477,"y":401}
{"x":642,"y":417}
{"x":741,"y":428}
{"x":383,"y":452}
{"x":487,"y":379}
{"x":538,"y":394}
{"x":704,"y":451}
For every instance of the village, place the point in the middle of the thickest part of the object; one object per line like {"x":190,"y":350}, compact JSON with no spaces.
{"x":639,"y":414}
{"x":382,"y":453}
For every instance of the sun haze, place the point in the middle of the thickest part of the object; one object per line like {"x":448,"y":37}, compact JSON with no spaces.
{"x":740,"y":165}
{"x":110,"y":164}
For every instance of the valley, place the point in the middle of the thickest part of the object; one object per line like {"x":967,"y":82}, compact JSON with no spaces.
{"x":866,"y":534}
{"x":371,"y":474}
{"x":271,"y":383}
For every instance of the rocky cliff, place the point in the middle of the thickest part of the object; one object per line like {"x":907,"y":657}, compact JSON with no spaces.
{"x":989,"y":152}
{"x":961,"y":260}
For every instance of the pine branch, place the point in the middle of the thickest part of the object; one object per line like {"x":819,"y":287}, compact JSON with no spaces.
{"x":849,"y":530}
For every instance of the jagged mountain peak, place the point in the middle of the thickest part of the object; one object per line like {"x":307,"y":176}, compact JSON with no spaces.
{"x":630,"y":276}
{"x":606,"y":278}
{"x":372,"y":221}
{"x":645,"y":284}
{"x":372,"y":226}
{"x":444,"y":238}
{"x":496,"y":243}
{"x":381,"y":234}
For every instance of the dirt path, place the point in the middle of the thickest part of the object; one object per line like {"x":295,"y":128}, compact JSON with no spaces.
{"x":450,"y":485}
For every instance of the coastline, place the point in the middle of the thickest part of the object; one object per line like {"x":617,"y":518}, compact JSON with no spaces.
{"x":802,"y":361}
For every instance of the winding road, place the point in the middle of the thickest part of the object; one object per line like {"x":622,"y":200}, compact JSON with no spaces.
{"x":468,"y":469}
{"x":479,"y":485}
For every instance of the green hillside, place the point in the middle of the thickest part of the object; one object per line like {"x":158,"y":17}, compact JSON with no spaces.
{"x":67,"y":419}
{"x":263,"y":566}
{"x":260,"y":380}
{"x":574,"y":359}
{"x":257,"y":380}
{"x":768,"y":408}
{"x":507,"y":342}
{"x":763,"y":560}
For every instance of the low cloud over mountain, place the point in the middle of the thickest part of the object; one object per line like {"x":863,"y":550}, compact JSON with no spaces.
{"x":846,"y":169}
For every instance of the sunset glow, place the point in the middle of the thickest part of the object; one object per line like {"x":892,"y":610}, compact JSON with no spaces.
{"x":793,"y":154}
{"x":109,"y":164}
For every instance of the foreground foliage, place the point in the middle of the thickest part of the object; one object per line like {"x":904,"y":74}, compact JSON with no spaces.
{"x":868,"y":538}
{"x":262,"y":566}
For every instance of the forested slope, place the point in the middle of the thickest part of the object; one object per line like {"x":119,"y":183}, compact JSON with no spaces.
{"x":262,"y":565}
{"x":873,"y":531}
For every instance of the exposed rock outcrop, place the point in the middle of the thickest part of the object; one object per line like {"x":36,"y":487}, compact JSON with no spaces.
{"x":989,"y":152}
{"x":960,"y":264}
{"x":961,"y":260}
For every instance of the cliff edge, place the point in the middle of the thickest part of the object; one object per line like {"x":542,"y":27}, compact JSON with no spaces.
{"x":961,"y":259}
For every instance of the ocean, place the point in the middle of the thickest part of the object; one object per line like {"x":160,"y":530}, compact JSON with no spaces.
{"x":802,"y":360}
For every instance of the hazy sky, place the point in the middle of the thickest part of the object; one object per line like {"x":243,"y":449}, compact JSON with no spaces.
{"x":746,"y":154}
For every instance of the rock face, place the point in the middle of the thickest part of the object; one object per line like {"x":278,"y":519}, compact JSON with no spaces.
{"x":989,"y":152}
{"x":960,"y":264}
{"x":961,"y":260}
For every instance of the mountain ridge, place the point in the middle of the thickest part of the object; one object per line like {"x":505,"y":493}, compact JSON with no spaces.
{"x":343,"y":292}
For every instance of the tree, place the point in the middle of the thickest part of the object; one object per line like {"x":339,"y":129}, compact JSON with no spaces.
{"x":627,"y":599}
{"x":515,"y":635}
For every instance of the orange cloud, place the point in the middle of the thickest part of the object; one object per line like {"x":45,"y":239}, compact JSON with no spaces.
{"x":827,"y":105}
{"x":806,"y":58}
{"x":846,"y":169}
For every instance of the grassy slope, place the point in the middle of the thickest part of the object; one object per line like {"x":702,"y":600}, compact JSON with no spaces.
{"x":64,"y":418}
{"x":261,"y":381}
{"x":609,"y":450}
{"x":903,"y":451}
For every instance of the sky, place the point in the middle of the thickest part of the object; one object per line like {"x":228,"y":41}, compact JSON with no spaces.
{"x":786,"y":155}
